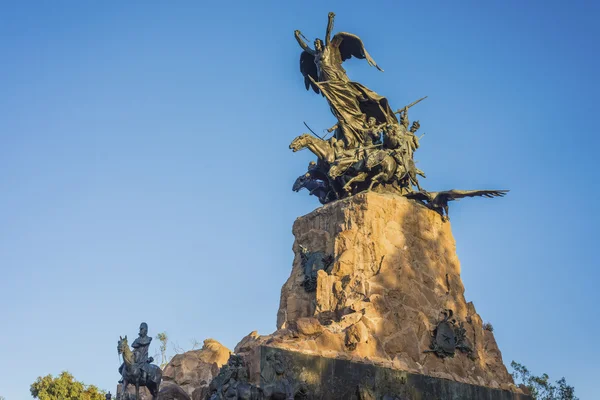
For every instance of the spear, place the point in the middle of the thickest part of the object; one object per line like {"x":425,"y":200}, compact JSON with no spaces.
{"x":398,"y":111}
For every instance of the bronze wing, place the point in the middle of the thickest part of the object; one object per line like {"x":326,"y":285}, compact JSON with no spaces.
{"x":419,"y":196}
{"x":459,"y":194}
{"x":309,"y":69}
{"x":350,"y":45}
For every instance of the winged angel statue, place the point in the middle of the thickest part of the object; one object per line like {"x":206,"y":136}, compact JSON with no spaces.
{"x":371,"y":149}
{"x":351,"y":103}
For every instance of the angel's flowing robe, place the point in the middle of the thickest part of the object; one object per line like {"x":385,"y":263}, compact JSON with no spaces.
{"x":350,"y":102}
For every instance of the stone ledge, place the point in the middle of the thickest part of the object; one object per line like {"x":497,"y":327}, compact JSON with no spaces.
{"x":330,"y":379}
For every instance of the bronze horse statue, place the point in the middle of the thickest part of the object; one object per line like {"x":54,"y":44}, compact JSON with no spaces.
{"x":319,"y":147}
{"x":388,"y":170}
{"x":138,"y":374}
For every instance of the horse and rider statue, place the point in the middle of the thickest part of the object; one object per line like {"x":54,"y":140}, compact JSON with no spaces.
{"x":137,"y":369}
{"x":370,"y":148}
{"x":382,"y":156}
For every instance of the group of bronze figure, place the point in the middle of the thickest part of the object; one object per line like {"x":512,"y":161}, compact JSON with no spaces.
{"x":370,"y":147}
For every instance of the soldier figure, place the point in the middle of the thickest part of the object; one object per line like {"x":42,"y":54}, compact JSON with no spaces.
{"x":141,"y":344}
{"x":413,"y":140}
{"x":372,"y":131}
{"x":140,"y":349}
{"x":403,"y":143}
{"x":404,"y":118}
{"x":339,"y":148}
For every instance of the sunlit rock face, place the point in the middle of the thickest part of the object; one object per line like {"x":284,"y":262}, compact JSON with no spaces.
{"x":193,"y":370}
{"x":393,"y":271}
{"x":374,"y":292}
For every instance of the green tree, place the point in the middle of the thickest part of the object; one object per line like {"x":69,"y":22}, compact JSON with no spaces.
{"x":164,"y":342}
{"x":64,"y":387}
{"x":540,"y":386}
{"x":163,"y":338}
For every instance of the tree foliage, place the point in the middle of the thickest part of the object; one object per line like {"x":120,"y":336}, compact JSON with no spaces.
{"x":163,"y":338}
{"x":540,"y":386}
{"x":164,"y":342}
{"x":64,"y":387}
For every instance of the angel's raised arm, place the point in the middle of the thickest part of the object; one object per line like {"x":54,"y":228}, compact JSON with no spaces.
{"x":331,"y":16}
{"x":304,"y":46}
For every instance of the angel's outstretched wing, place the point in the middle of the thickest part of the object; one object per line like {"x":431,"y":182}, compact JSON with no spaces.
{"x":459,"y":194}
{"x":422,"y":196}
{"x":350,"y":45}
{"x":309,"y":69}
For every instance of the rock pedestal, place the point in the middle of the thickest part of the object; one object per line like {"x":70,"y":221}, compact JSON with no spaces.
{"x":393,"y":272}
{"x":376,"y":281}
{"x":374,"y":308}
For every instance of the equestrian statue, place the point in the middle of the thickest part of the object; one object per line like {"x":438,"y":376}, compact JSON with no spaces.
{"x":137,"y":368}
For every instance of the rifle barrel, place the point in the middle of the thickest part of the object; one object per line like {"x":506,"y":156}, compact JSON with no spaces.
{"x":398,"y":111}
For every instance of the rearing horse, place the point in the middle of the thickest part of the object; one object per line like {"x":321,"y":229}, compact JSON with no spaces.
{"x":319,"y":147}
{"x":138,"y":374}
{"x":388,"y":168}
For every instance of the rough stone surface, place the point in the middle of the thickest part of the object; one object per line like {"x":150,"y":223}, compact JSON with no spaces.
{"x":173,"y":392}
{"x":371,"y":316}
{"x":318,"y":378}
{"x":168,"y":391}
{"x":395,"y":270}
{"x":130,"y":394}
{"x":195,"y":369}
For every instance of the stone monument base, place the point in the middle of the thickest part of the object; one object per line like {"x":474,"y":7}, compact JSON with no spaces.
{"x":306,"y":376}
{"x":374,"y":309}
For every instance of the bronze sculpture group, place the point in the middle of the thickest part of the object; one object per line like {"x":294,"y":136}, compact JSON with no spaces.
{"x":371,"y":149}
{"x":137,"y":368}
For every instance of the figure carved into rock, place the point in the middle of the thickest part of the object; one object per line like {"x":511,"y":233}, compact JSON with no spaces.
{"x":448,"y":337}
{"x":312,"y":263}
{"x":232,"y":382}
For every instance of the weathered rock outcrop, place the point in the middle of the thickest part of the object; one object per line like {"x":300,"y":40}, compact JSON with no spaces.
{"x":375,"y":287}
{"x":173,"y":392}
{"x":194,"y":369}
{"x":394,"y":273}
{"x":168,"y":391}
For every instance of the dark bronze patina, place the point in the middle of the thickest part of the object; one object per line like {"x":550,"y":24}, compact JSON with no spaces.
{"x":312,"y":263}
{"x":438,"y":201}
{"x":137,"y":368}
{"x":276,"y":383}
{"x":370,"y":149}
{"x":448,"y":337}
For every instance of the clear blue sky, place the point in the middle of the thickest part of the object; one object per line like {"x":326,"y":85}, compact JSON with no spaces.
{"x":145,"y":173}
